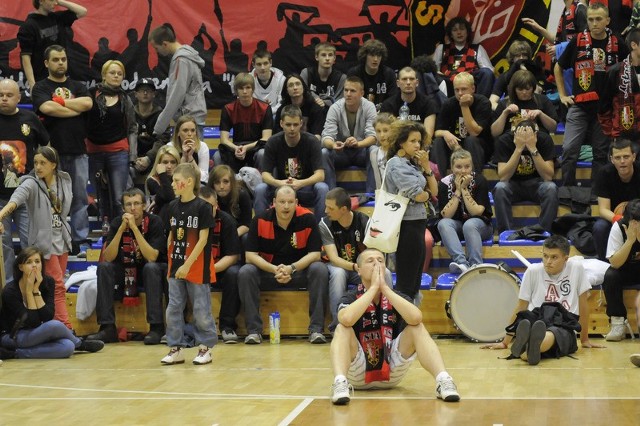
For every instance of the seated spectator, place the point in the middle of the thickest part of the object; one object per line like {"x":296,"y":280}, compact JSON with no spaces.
{"x":622,"y":253}
{"x":325,"y":82}
{"x":159,"y":182}
{"x":296,"y":160}
{"x":519,"y":58}
{"x":378,"y":152}
{"x":147,"y":113}
{"x":378,"y":80}
{"x":186,"y":140}
{"x":295,"y":92}
{"x":379,"y":335}
{"x":525,"y":170}
{"x":617,"y":183}
{"x":430,"y":82}
{"x":232,"y":197}
{"x":521,"y":104}
{"x":466,"y":212}
{"x":421,"y":108}
{"x":348,"y":133}
{"x":464,"y":121}
{"x":27,"y":324}
{"x":283,"y":251}
{"x":225,"y":249}
{"x":251,"y":121}
{"x":134,"y":256}
{"x":342,"y":231}
{"x":269,"y":80}
{"x":557,"y":288}
{"x":459,"y":54}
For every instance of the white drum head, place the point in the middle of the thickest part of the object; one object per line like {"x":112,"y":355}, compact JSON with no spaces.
{"x":482,"y":302}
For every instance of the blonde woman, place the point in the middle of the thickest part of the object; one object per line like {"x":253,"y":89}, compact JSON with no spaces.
{"x":186,"y":140}
{"x":159,"y":180}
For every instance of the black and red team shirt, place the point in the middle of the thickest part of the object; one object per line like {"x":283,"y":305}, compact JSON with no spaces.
{"x":186,"y":220}
{"x":284,"y":246}
{"x":247,"y":122}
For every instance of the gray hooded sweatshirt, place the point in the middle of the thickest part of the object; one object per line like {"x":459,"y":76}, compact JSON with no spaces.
{"x":33,"y":192}
{"x":185,"y":95}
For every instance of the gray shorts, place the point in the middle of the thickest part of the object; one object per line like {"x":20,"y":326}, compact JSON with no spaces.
{"x":398,"y":367}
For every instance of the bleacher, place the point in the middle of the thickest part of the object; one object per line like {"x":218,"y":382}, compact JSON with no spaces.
{"x":292,"y":305}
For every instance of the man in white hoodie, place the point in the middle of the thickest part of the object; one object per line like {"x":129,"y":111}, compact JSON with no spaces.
{"x":184,"y":94}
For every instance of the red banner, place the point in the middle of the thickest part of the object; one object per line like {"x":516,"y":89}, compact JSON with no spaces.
{"x":226,"y":33}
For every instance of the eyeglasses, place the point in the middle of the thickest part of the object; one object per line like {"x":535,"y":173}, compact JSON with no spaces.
{"x":133,"y":204}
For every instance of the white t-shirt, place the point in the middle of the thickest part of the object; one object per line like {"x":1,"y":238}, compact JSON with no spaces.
{"x":565,"y":288}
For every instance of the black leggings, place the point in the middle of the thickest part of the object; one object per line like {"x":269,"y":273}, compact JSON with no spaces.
{"x":410,"y":256}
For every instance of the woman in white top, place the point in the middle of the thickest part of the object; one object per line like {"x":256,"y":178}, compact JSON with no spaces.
{"x":191,"y":149}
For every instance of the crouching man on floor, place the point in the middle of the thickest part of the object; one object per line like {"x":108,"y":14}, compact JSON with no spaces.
{"x":552,"y":295}
{"x":379,"y":335}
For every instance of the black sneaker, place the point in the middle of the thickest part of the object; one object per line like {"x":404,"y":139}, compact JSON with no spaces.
{"x":7,"y":353}
{"x":519,"y":345}
{"x":89,"y":345}
{"x":538,"y":330}
{"x":153,"y":337}
{"x":107,"y":334}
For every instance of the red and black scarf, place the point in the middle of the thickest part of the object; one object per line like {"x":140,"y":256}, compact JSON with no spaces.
{"x":584,"y":69}
{"x":468,"y":62}
{"x":376,"y":336}
{"x":131,"y":257}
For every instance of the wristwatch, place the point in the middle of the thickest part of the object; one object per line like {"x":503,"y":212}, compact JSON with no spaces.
{"x":534,"y":153}
{"x":37,"y":293}
{"x":293,"y":269}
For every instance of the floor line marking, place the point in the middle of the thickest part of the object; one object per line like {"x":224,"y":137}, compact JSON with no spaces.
{"x":296,"y":411}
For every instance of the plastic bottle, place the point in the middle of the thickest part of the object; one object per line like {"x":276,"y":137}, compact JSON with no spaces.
{"x":105,"y":227}
{"x":403,"y":114}
{"x":274,"y":327}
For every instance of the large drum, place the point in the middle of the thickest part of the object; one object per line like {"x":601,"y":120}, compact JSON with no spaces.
{"x":482,"y":302}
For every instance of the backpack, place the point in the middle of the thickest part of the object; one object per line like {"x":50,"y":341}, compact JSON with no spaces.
{"x":431,"y":86}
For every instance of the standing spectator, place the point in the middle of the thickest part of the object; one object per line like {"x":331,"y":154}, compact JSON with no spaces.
{"x":525,"y":169}
{"x":184,"y":94}
{"x":232,"y":197}
{"x":617,"y":183}
{"x":466,"y":212}
{"x":226,"y":250}
{"x":160,"y":179}
{"x":378,"y":80}
{"x":41,"y":29}
{"x":134,"y":255}
{"x":46,"y":193}
{"x":325,"y":82}
{"x":63,"y":103}
{"x":295,"y":92}
{"x":27,"y":308}
{"x":464,"y":121}
{"x":283,"y":250}
{"x":378,"y":152}
{"x":409,"y":174}
{"x":348,"y":133}
{"x":21,"y":132}
{"x":461,"y":55}
{"x":186,"y":140}
{"x":292,"y":158}
{"x":590,"y":54}
{"x":269,"y":80}
{"x":191,"y":267}
{"x":111,"y":139}
{"x":251,"y":121}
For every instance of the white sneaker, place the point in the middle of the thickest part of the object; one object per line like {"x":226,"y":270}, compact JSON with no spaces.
{"x":618,"y":332}
{"x":229,"y":337}
{"x":447,"y":390}
{"x":175,"y":356}
{"x":204,"y":356}
{"x":341,"y":392}
{"x":317,"y":338}
{"x":253,"y":339}
{"x":458,"y":268}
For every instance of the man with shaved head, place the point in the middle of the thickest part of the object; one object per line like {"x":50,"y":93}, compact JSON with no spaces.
{"x":20,"y":134}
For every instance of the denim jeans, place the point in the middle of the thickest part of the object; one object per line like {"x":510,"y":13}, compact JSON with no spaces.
{"x":205,"y":332}
{"x":116,"y":165}
{"x":51,"y":339}
{"x":601,"y":229}
{"x":308,"y":196}
{"x":78,"y":168}
{"x":544,"y":193}
{"x":251,"y":280}
{"x":473,"y":231}
{"x":333,"y":160}
{"x":339,"y":279}
{"x":21,"y":217}
{"x":582,"y":128}
{"x":151,"y":276}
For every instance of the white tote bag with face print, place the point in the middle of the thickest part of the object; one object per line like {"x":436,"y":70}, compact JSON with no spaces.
{"x":383,"y":229}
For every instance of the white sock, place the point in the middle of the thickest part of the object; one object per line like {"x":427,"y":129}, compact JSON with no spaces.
{"x":339,"y":378}
{"x":442,"y":375}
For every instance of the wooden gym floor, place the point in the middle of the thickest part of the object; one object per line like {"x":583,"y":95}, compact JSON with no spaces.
{"x":125,"y":384}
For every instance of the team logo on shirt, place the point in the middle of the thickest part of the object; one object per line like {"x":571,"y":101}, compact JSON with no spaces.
{"x":294,"y":240}
{"x":62,"y":92}
{"x":584,"y":80}
{"x":25,"y":129}
{"x":626,"y":117}
{"x":180,"y":233}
